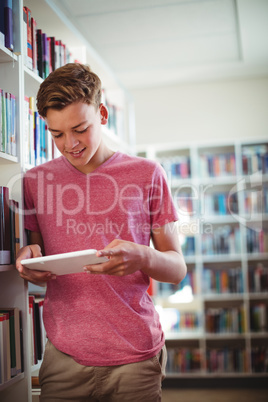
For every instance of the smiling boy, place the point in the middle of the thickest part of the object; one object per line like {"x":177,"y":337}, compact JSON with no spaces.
{"x":105,"y":341}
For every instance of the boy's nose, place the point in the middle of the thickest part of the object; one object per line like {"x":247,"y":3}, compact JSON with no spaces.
{"x":70,"y":141}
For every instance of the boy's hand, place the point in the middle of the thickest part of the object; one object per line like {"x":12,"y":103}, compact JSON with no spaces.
{"x":36,"y":277}
{"x":125,"y":258}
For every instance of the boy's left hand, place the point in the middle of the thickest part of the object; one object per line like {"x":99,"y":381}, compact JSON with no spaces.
{"x":125,"y":258}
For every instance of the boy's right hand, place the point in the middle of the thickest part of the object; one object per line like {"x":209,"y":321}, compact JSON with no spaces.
{"x":36,"y":277}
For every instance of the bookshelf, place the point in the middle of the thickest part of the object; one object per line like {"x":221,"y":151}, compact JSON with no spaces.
{"x":216,"y":320}
{"x":21,"y":81}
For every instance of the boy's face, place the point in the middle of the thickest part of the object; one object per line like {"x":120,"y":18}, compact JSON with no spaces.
{"x":76,"y":131}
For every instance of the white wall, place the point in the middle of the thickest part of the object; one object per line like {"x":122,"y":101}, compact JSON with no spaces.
{"x":223,"y":110}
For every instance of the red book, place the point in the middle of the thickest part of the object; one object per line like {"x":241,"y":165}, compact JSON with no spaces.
{"x":34,"y":45}
{"x":29,"y":38}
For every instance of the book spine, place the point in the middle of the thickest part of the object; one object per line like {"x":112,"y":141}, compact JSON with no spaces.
{"x":5,"y":252}
{"x":45,"y":55}
{"x":34,"y":44}
{"x":8,"y":21}
{"x":4,"y":122}
{"x":13,"y":136}
{"x":40,"y":64}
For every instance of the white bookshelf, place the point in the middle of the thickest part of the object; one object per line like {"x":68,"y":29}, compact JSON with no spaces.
{"x":19,"y":80}
{"x":238,"y":258}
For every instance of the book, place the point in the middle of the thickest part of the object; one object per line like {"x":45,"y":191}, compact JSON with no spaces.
{"x":39,"y":45}
{"x":37,"y":139}
{"x":13,"y":134}
{"x":15,"y":340}
{"x":8,"y":24}
{"x":5,"y":252}
{"x":34,"y":44}
{"x":5,"y":347}
{"x":2,"y":24}
{"x":29,"y":58}
{"x":8,"y":122}
{"x":45,"y":55}
{"x":52,"y":52}
{"x":4,"y":122}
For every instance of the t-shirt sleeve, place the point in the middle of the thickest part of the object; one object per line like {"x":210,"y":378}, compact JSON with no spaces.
{"x":30,"y":219}
{"x":162,"y":208}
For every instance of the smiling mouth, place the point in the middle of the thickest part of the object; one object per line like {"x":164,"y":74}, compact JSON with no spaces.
{"x":77,"y":153}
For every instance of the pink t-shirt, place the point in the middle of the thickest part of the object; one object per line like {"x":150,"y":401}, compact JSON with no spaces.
{"x":99,"y":320}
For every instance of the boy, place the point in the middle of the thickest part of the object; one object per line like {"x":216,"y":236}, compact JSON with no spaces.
{"x":105,"y":340}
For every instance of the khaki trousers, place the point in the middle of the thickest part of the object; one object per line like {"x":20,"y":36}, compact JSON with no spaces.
{"x":62,"y":379}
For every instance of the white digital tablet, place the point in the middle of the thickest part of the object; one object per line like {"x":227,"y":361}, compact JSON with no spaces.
{"x":66,"y":263}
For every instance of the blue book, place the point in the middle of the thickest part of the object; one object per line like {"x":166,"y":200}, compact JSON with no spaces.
{"x":37,"y":143}
{"x":8,"y":24}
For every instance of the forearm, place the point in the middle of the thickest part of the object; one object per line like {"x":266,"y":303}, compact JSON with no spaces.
{"x":164,"y":266}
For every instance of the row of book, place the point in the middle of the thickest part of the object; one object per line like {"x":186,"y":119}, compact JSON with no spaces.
{"x":177,"y":168}
{"x":11,"y":350}
{"x":188,"y":246}
{"x":8,"y":129}
{"x":256,"y":202}
{"x":255,"y":159}
{"x":43,"y":54}
{"x":9,"y":228}
{"x":6,"y":24}
{"x":220,"y":281}
{"x":259,"y":317}
{"x":225,"y":320}
{"x":258,"y":278}
{"x":37,"y":330}
{"x":226,"y":360}
{"x":257,"y":240}
{"x":116,"y":118}
{"x":220,"y":204}
{"x":167,"y":289}
{"x":218,"y":360}
{"x":224,"y":240}
{"x":38,"y":142}
{"x":172,"y":320}
{"x":259,"y":359}
{"x":217,"y":165}
{"x":183,"y":360}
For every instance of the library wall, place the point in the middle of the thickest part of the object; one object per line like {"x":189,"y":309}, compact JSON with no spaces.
{"x":222,"y":110}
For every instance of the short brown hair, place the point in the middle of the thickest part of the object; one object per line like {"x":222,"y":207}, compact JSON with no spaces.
{"x":70,"y":83}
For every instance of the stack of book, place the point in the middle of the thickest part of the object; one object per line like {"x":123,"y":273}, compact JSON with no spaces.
{"x":255,"y":159}
{"x":38,"y":141}
{"x":257,"y":240}
{"x":9,"y":228}
{"x":256,"y":202}
{"x":37,"y":330}
{"x":167,"y":289}
{"x":224,"y":240}
{"x":259,"y":359}
{"x":226,"y":360}
{"x":183,"y":360}
{"x":258,"y":278}
{"x":217,"y":165}
{"x":220,"y":204}
{"x":177,"y":167}
{"x":218,"y":281}
{"x":258,"y":317}
{"x":8,"y":129}
{"x":43,"y":54}
{"x":225,"y":320}
{"x":6,"y":24}
{"x":11,"y":356}
{"x":188,"y":246}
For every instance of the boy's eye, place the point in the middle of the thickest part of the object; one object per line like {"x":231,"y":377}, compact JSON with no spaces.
{"x":57,"y":136}
{"x":82,"y":131}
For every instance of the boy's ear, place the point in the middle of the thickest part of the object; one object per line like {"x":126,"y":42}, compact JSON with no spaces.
{"x":104,"y":114}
